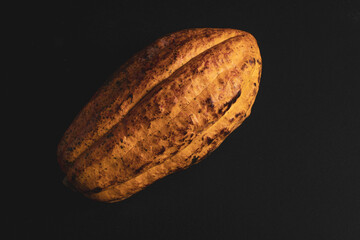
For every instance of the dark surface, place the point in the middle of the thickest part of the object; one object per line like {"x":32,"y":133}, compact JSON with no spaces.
{"x":291,"y":171}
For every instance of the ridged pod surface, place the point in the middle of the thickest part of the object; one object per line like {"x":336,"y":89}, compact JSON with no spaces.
{"x":165,"y":109}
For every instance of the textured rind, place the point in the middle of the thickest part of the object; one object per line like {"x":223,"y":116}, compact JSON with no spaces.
{"x":130,"y":83}
{"x":172,"y":122}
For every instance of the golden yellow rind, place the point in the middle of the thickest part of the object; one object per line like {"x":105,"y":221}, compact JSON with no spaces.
{"x":171,"y":122}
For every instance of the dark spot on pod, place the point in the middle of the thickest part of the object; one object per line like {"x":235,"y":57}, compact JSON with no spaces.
{"x":182,"y":131}
{"x":141,"y":168}
{"x":227,"y":105}
{"x":174,"y":152}
{"x":252,"y":61}
{"x":170,"y":143}
{"x":231,"y":119}
{"x":96,"y":190}
{"x":221,"y":81}
{"x":254,"y":84}
{"x":238,"y":114}
{"x":161,"y":151}
{"x":224,"y":131}
{"x":258,"y":61}
{"x":243,"y":66}
{"x":209,"y":102}
{"x":112,"y":182}
{"x":182,"y":140}
{"x":194,"y":160}
{"x":214,"y":115}
{"x":209,"y":140}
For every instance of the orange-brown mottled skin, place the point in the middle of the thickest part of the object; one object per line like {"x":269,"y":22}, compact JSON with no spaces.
{"x":168,"y":107}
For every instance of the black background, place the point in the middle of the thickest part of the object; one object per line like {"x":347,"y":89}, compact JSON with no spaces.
{"x":291,"y":171}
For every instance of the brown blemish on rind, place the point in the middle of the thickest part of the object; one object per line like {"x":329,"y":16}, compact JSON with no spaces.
{"x":137,"y":171}
{"x":161,"y":151}
{"x":224,"y":131}
{"x":95,"y":190}
{"x":209,"y":102}
{"x":238,"y":114}
{"x":244,"y":66}
{"x":227,"y":105}
{"x":209,"y":140}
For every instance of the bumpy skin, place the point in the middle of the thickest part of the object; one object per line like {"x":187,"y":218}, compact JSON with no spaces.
{"x":164,"y":110}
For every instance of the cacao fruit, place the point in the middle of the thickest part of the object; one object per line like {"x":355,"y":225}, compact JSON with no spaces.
{"x":165,"y":109}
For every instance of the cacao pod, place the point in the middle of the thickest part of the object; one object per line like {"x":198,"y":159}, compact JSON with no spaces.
{"x":165,"y":109}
